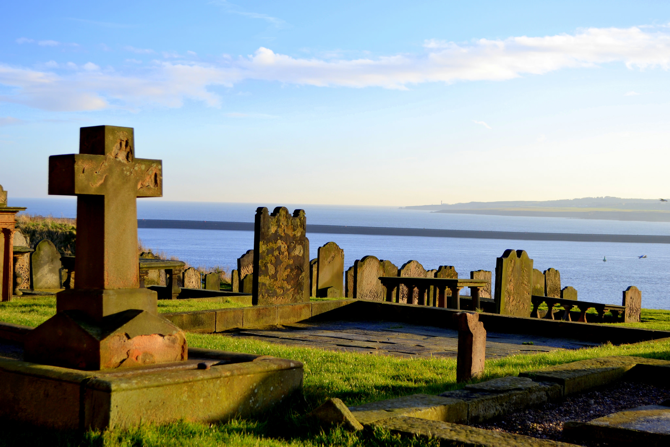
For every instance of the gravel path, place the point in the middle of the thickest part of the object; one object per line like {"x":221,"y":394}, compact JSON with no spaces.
{"x":546,"y":421}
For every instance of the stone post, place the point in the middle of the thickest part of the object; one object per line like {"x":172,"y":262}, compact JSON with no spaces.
{"x":471,"y":346}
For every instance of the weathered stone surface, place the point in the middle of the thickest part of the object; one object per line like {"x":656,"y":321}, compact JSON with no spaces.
{"x":19,"y":239}
{"x":203,"y":322}
{"x":259,"y":316}
{"x":514,"y":279}
{"x":46,"y":265}
{"x":22,"y":264}
{"x":247,"y":284}
{"x":461,"y":435}
{"x":538,"y":283}
{"x":3,"y":197}
{"x":192,"y":279}
{"x":411,"y":269}
{"x":389,"y":268}
{"x":569,"y":293}
{"x":281,"y":257}
{"x":334,"y":412}
{"x":552,"y":283}
{"x":471,"y":346}
{"x":330,"y":266}
{"x":212,"y":281}
{"x":485,"y":292}
{"x":632,"y":301}
{"x":229,"y":319}
{"x":293,"y":313}
{"x":448,"y":272}
{"x":313,"y":275}
{"x":417,"y":405}
{"x":503,"y":384}
{"x":235,"y":281}
{"x":366,"y":278}
{"x":349,"y":282}
{"x":245,"y":264}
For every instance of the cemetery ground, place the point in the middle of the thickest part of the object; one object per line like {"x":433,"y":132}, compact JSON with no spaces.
{"x":355,"y":378}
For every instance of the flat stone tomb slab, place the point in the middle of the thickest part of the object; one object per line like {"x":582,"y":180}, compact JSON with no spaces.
{"x":212,"y":386}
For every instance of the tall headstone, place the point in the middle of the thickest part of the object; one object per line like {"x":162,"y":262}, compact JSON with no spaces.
{"x":7,"y":227}
{"x":632,"y":301}
{"x":245,"y":264}
{"x":106,"y":321}
{"x":213,"y":281}
{"x":569,"y":293}
{"x":484,"y":292}
{"x":349,"y":282}
{"x":471,"y":346}
{"x":366,"y":277}
{"x":514,"y":279}
{"x":46,"y":266}
{"x":330,"y":271}
{"x":313,"y":274}
{"x":235,"y":281}
{"x":538,"y":283}
{"x":552,"y":283}
{"x":192,"y":279}
{"x":411,"y":269}
{"x":281,"y":257}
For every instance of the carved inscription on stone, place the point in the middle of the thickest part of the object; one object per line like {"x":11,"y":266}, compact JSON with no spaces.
{"x":632,"y":301}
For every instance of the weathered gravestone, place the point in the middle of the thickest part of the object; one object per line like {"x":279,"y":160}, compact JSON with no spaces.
{"x":313,"y":274}
{"x":367,"y":285}
{"x":632,"y":301}
{"x":192,"y":279}
{"x":552,"y":283}
{"x":484,"y":292}
{"x":245,"y":264}
{"x":7,"y":226}
{"x":45,"y":266}
{"x":514,"y":279}
{"x":389,"y":268}
{"x":235,"y":281}
{"x":411,"y":269}
{"x":446,"y":272}
{"x":349,"y":282}
{"x":471,"y":346}
{"x":569,"y":293}
{"x":106,"y":321}
{"x":330,"y":271}
{"x":538,"y":283}
{"x":22,"y":262}
{"x":213,"y":281}
{"x":247,"y":284}
{"x":281,"y":257}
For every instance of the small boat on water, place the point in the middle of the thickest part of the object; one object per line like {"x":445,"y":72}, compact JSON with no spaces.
{"x":604,"y":259}
{"x":642,"y":257}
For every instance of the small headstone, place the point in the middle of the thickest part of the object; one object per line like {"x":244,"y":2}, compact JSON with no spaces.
{"x":212,"y":281}
{"x":484,"y":292}
{"x":538,"y":283}
{"x":192,"y":279}
{"x":367,"y":284}
{"x":349,"y":283}
{"x":390,"y":269}
{"x":281,"y":257}
{"x":45,"y":266}
{"x":245,"y":264}
{"x":330,"y":270}
{"x":313,"y":274}
{"x":247,"y":284}
{"x":569,"y":293}
{"x":235,"y":281}
{"x":632,"y":301}
{"x":552,"y":283}
{"x":411,"y":269}
{"x":446,"y":272}
{"x":471,"y":346}
{"x":514,"y":279}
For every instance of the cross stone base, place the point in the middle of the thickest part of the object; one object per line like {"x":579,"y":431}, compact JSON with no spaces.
{"x":130,"y":338}
{"x":100,"y":303}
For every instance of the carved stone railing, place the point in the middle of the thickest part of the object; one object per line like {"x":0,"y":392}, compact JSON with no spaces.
{"x":569,"y":305}
{"x":438,"y":286}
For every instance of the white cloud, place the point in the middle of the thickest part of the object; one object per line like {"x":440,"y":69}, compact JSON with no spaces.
{"x":90,"y":66}
{"x":231,"y":8}
{"x":170,"y":83}
{"x":482,"y":123}
{"x":631,"y":94}
{"x":249,"y":115}
{"x":22,"y":40}
{"x":139,"y":50}
{"x":48,"y":43}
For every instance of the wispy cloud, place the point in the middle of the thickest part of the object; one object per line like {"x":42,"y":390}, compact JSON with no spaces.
{"x":231,"y":8}
{"x":482,"y":123}
{"x":139,"y":50}
{"x":44,"y":43}
{"x":249,"y":115}
{"x":103,"y":24}
{"x":631,"y":94}
{"x":169,"y":83}
{"x":9,"y":121}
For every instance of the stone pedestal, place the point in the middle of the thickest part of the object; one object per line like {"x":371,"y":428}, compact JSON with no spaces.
{"x":7,"y":225}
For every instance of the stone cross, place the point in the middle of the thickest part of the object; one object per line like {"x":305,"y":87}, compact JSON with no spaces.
{"x":107,"y":179}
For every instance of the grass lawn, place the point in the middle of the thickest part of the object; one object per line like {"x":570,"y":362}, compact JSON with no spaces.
{"x":354,"y":378}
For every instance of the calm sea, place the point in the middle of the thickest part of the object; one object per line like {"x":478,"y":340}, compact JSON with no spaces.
{"x":580,"y":263}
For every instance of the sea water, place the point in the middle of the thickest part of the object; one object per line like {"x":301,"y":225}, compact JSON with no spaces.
{"x":580,"y":263}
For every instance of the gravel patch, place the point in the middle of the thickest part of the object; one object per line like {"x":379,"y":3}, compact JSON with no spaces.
{"x":546,"y":421}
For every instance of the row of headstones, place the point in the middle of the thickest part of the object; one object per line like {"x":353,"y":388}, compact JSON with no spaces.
{"x":548,"y":283}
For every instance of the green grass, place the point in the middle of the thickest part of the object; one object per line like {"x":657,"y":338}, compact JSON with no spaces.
{"x":354,"y":378}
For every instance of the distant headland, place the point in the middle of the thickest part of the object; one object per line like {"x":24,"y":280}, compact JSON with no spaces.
{"x":603,"y":208}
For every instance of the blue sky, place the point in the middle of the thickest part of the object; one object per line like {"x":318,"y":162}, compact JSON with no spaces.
{"x":349,"y":102}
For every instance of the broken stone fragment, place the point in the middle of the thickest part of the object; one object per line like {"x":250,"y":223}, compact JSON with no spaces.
{"x":334,"y":412}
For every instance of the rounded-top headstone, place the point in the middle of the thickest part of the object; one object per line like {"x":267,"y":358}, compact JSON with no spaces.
{"x":46,"y":266}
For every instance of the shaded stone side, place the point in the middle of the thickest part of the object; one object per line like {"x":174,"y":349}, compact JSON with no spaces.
{"x":45,"y":266}
{"x":484,"y":292}
{"x":212,"y":281}
{"x":313,"y":273}
{"x":367,"y":285}
{"x":349,"y":282}
{"x":411,"y":269}
{"x":247,"y":284}
{"x":632,"y":301}
{"x":235,"y":281}
{"x":471,"y":346}
{"x":245,"y":264}
{"x":191,"y":279}
{"x":552,"y":283}
{"x":281,"y":257}
{"x":514,"y":277}
{"x":390,"y":269}
{"x":330,"y":271}
{"x":569,"y":293}
{"x":538,"y":283}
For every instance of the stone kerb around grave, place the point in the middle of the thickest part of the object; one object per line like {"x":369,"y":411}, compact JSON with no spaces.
{"x":514,"y":279}
{"x":330,"y":271}
{"x":46,"y":266}
{"x":411,"y":269}
{"x":367,"y":285}
{"x":632,"y":301}
{"x":281,"y":257}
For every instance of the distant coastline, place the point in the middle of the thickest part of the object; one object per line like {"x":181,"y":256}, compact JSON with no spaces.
{"x":639,"y":216}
